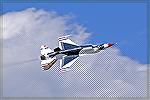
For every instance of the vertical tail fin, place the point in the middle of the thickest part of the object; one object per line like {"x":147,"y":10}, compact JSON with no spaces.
{"x":46,"y":61}
{"x":45,"y":50}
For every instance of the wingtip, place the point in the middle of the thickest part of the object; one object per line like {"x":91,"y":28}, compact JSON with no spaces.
{"x":61,"y":71}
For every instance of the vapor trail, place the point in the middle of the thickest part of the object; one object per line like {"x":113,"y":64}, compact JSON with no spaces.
{"x":21,"y":62}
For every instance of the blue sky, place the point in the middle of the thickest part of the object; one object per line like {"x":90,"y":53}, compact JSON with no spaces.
{"x":124,"y":23}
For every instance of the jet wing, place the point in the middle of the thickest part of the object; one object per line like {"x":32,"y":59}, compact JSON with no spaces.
{"x":65,"y":43}
{"x":66,"y":62}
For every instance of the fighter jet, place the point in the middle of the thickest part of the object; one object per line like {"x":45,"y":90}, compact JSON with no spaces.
{"x":67,"y":52}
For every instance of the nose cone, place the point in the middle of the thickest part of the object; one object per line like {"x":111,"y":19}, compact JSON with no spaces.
{"x":110,"y":44}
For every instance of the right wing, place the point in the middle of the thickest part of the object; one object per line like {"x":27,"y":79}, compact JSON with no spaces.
{"x":66,"y":62}
{"x":65,"y":43}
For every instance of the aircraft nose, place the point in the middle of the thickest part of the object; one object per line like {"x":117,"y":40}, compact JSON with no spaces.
{"x":110,"y":44}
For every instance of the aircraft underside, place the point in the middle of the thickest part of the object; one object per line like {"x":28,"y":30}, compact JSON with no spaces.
{"x":67,"y":52}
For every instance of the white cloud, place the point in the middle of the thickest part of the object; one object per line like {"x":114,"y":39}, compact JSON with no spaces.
{"x":106,"y":74}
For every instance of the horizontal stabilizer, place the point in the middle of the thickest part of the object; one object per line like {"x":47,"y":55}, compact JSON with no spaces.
{"x":48,"y":63}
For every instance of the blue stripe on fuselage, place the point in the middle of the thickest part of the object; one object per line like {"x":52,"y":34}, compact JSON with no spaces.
{"x":74,"y":51}
{"x":85,"y":46}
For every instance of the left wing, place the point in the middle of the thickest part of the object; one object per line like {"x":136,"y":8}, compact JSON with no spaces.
{"x":66,"y":62}
{"x":65,"y":43}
